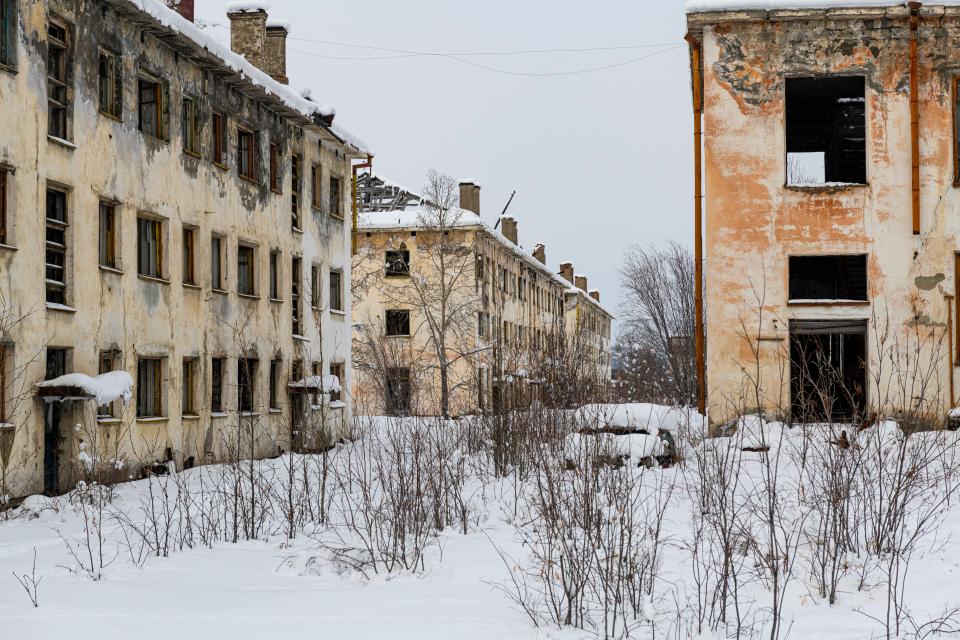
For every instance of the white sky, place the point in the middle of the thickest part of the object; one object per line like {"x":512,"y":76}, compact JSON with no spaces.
{"x":599,"y":161}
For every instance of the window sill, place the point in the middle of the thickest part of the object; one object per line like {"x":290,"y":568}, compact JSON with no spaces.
{"x":299,"y":337}
{"x":220,"y":165}
{"x":249,"y":414}
{"x":190,"y":285}
{"x":55,"y":306}
{"x":274,"y":411}
{"x":8,"y":68}
{"x":153,"y":279}
{"x":219,"y":414}
{"x":249,"y":179}
{"x":828,"y":187}
{"x":338,"y":312}
{"x":148,"y":419}
{"x":396,"y":275}
{"x":296,"y":230}
{"x":278,"y":192}
{"x":222,"y":292}
{"x":107,"y":420}
{"x":113,"y":270}
{"x":109,"y":116}
{"x":339,"y":218}
{"x":66,"y":144}
{"x":276,"y":300}
{"x":248,"y":296}
{"x":190,"y":416}
{"x":828,"y":303}
{"x":407,"y":335}
{"x":7,"y":247}
{"x":193,"y":154}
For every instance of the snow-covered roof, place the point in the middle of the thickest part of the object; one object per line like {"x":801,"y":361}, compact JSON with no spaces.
{"x":105,"y":388}
{"x":289,"y":96}
{"x":701,"y":6}
{"x":572,"y":290}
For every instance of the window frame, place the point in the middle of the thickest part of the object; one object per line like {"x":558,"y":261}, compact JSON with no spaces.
{"x":190,"y":127}
{"x":404,"y":258}
{"x":218,"y":131}
{"x":316,"y":187}
{"x":160,"y":108}
{"x":246,"y":384}
{"x":8,"y":34}
{"x":275,"y":184}
{"x":157,"y":246}
{"x":315,"y":282}
{"x":188,"y":388}
{"x":107,"y":362}
{"x":402,"y":313}
{"x":276,"y":365}
{"x":247,"y":157}
{"x":296,"y":300}
{"x":110,"y":85}
{"x":217,"y":262}
{"x":155,"y":408}
{"x":247,"y":272}
{"x":793,"y":279}
{"x":188,"y":273}
{"x":58,"y":84}
{"x":336,"y":303}
{"x":335,"y":197}
{"x":107,"y":237}
{"x":337,"y":369}
{"x":217,"y":374}
{"x":57,"y":288}
{"x":4,"y":223}
{"x":296,"y":191}
{"x":274,"y":275}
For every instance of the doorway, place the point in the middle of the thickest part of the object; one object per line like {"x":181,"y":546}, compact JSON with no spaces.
{"x":828,"y":370}
{"x":52,"y":437}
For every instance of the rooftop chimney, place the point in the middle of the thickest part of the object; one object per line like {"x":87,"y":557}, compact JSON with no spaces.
{"x":183,"y":7}
{"x":595,"y":294}
{"x":540,"y":253}
{"x":566,"y":271}
{"x":276,"y":53}
{"x":470,"y":196}
{"x":508,"y":227}
{"x":248,"y":33}
{"x":581,"y":282}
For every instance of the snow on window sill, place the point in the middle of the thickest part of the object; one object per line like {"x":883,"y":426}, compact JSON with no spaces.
{"x":826,"y":187}
{"x":274,"y":411}
{"x":56,"y":306}
{"x":107,"y":420}
{"x":249,"y":414}
{"x":60,"y":141}
{"x":338,"y":404}
{"x":190,"y":416}
{"x":222,"y":292}
{"x":248,"y":296}
{"x":6,"y":425}
{"x":338,"y":312}
{"x":299,"y":337}
{"x":219,"y":414}
{"x":800,"y":302}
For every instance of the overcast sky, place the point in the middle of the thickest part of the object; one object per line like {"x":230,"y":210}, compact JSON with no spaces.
{"x":599,"y":160}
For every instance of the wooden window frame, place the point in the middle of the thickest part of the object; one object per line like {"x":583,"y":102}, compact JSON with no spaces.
{"x":58,"y":79}
{"x":189,"y":275}
{"x":4,"y":226}
{"x":336,"y":197}
{"x":315,"y":286}
{"x":156,"y":226}
{"x":956,"y":131}
{"x":190,"y":126}
{"x":218,"y":127}
{"x":247,"y":157}
{"x":316,"y":372}
{"x":247,"y":384}
{"x":107,"y":362}
{"x":3,"y":378}
{"x":296,"y":301}
{"x":274,"y":275}
{"x":160,"y":105}
{"x":155,"y":386}
{"x":57,"y":289}
{"x":188,"y":387}
{"x":336,"y":304}
{"x":110,"y":84}
{"x":316,"y":187}
{"x":275,"y":369}
{"x":107,"y":238}
{"x":218,"y":371}
{"x":296,"y":200}
{"x":337,"y":369}
{"x":217,"y":262}
{"x":8,"y":33}
{"x":275,"y":185}
{"x":249,"y":271}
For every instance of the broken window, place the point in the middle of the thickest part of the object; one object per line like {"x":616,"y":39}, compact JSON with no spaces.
{"x":296,"y":169}
{"x":8,"y":32}
{"x":149,"y":388}
{"x":840,"y":278}
{"x":217,"y":368}
{"x":56,"y":255}
{"x":274,"y":275}
{"x":826,"y":130}
{"x":152,"y":106}
{"x":191,"y":126}
{"x":398,"y":262}
{"x":398,"y":391}
{"x":336,"y":370}
{"x":188,"y":387}
{"x":295,"y":294}
{"x":216,"y":262}
{"x":827,"y":370}
{"x":149,"y":247}
{"x":246,"y":154}
{"x":275,"y":384}
{"x":57,"y":74}
{"x":189,"y":255}
{"x":245,"y":270}
{"x":336,"y":290}
{"x":246,"y":383}
{"x":398,"y":322}
{"x":335,"y":198}
{"x":275,"y":167}
{"x":110,"y":85}
{"x":219,"y":133}
{"x":108,"y":235}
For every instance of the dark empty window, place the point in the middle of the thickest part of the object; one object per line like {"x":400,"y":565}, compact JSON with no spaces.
{"x":398,"y":322}
{"x":398,"y":263}
{"x":826,"y":130}
{"x":274,"y":275}
{"x":246,"y":154}
{"x":152,"y":106}
{"x":246,"y":381}
{"x":275,"y":167}
{"x":56,"y":253}
{"x":149,"y":388}
{"x":8,"y":31}
{"x":245,"y":270}
{"x":398,"y":391}
{"x":828,"y":277}
{"x":149,"y":247}
{"x":110,"y":86}
{"x":219,"y":133}
{"x":108,"y":235}
{"x":57,"y":73}
{"x":217,"y":366}
{"x":296,"y":171}
{"x":275,"y":383}
{"x":335,"y":198}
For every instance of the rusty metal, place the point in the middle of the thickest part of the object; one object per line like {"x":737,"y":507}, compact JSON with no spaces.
{"x":948,"y":299}
{"x":914,"y":115}
{"x":355,"y":201}
{"x":699,"y":337}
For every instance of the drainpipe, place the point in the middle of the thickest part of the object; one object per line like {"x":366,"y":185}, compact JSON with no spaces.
{"x":914,"y":115}
{"x":948,"y":299}
{"x":699,"y":337}
{"x":355,"y":201}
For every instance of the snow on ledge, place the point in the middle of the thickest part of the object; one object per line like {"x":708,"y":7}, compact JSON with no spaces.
{"x":250,"y":6}
{"x":700,"y":6}
{"x":323,"y":384}
{"x":105,"y":388}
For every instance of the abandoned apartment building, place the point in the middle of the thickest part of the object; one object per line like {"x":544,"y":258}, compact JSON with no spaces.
{"x":511,"y":314}
{"x":832,"y":198}
{"x":171,"y":209}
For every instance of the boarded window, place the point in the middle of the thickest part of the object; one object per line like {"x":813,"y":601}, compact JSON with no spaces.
{"x":245,"y":270}
{"x":397,"y":322}
{"x":58,"y":58}
{"x":275,"y":167}
{"x":336,"y":209}
{"x":191,"y":126}
{"x":189,"y":255}
{"x":216,"y":263}
{"x":152,"y":107}
{"x":828,"y":277}
{"x":336,"y":370}
{"x":110,"y":84}
{"x":296,"y":178}
{"x":56,"y":252}
{"x":8,"y":32}
{"x":246,"y":154}
{"x":149,"y":247}
{"x":274,"y":275}
{"x":826,"y":130}
{"x":188,"y":387}
{"x":149,"y":388}
{"x":219,"y":130}
{"x":397,"y":263}
{"x":246,"y":383}
{"x":336,"y":291}
{"x":108,"y":235}
{"x":217,"y":368}
{"x":295,"y":301}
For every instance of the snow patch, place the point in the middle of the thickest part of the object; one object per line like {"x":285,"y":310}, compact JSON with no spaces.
{"x":105,"y":388}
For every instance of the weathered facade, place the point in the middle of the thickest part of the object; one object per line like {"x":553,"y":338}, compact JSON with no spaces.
{"x":831,"y":235}
{"x":157,"y":219}
{"x":513,"y":314}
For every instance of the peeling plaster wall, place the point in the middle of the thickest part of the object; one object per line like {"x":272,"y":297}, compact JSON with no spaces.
{"x":754,"y":222}
{"x":110,"y":159}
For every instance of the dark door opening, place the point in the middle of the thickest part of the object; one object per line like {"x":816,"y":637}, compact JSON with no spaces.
{"x":828,"y":370}
{"x":52,"y":438}
{"x":298,"y":401}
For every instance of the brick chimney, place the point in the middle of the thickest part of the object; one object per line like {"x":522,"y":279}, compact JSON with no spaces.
{"x":508,"y":227}
{"x":540,"y":253}
{"x":248,"y":33}
{"x":183,"y":7}
{"x":595,"y":294}
{"x":470,"y":196}
{"x":566,"y":271}
{"x":581,"y":282}
{"x":276,"y":53}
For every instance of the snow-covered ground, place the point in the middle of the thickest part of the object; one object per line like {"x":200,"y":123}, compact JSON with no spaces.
{"x":203,"y":585}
